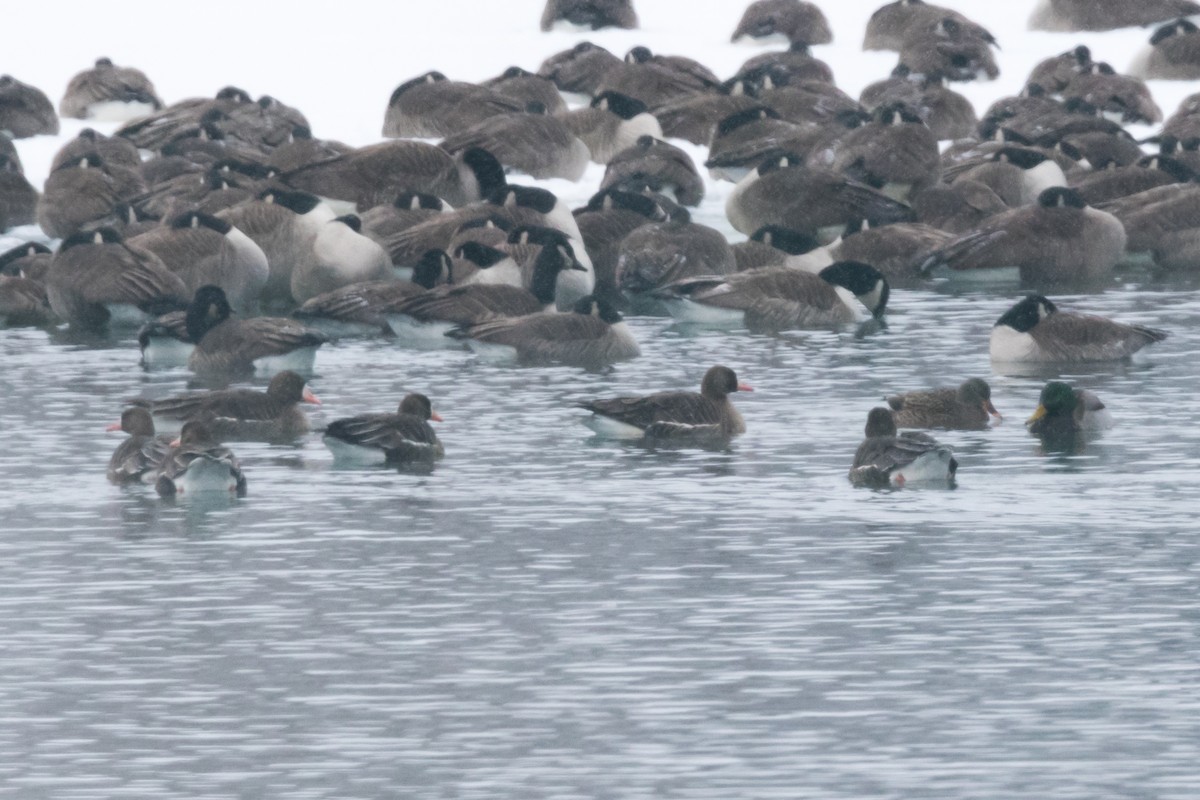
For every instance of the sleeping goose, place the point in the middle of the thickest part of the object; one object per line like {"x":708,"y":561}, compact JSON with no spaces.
{"x":1106,"y":15}
{"x":1034,"y":330}
{"x":109,"y":93}
{"x":780,"y":298}
{"x":18,"y":198}
{"x":431,"y":105}
{"x":887,"y":459}
{"x":77,"y":192}
{"x":403,"y":437}
{"x":966,"y":408}
{"x":227,"y":345}
{"x":593,"y":335}
{"x":612,"y":123}
{"x":540,"y":145}
{"x":592,"y":14}
{"x":794,"y":20}
{"x":580,"y":69}
{"x":25,"y":110}
{"x":196,"y":464}
{"x":681,"y":416}
{"x":654,"y":165}
{"x":1173,"y":54}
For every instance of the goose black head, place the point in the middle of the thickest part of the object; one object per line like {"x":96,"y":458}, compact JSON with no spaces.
{"x":622,"y":105}
{"x":1061,"y":197}
{"x":591,"y":305}
{"x":541,"y":200}
{"x":863,"y":281}
{"x":745,"y":117}
{"x":1027,"y":313}
{"x":881,"y":423}
{"x":790,"y":241}
{"x":433,"y":268}
{"x":538,"y":235}
{"x":85,"y":238}
{"x":610,"y":199}
{"x":298,"y":202}
{"x":481,"y":255}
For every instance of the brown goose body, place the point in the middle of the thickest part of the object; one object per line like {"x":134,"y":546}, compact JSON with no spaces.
{"x":1106,"y":15}
{"x":25,"y":110}
{"x":231,"y":346}
{"x":967,"y":407}
{"x":137,"y":458}
{"x":109,"y":92}
{"x":706,"y":415}
{"x":432,"y":106}
{"x":76,"y":193}
{"x":18,"y":198}
{"x":886,"y":458}
{"x":1035,"y":331}
{"x":580,"y":69}
{"x":1173,"y":54}
{"x":796,"y":20}
{"x":537,"y":144}
{"x":403,"y":437}
{"x":196,"y":464}
{"x":594,"y":14}
{"x":24,"y":302}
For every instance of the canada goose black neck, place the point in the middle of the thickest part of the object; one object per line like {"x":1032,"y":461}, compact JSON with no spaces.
{"x":351,"y":221}
{"x":298,"y":202}
{"x":629,"y":201}
{"x":540,"y":200}
{"x":98,"y":236}
{"x":862,"y":280}
{"x":1026,"y":314}
{"x":1061,"y":197}
{"x":745,"y":117}
{"x":550,"y":262}
{"x":208,"y":309}
{"x":432,"y":268}
{"x":480,"y":254}
{"x":488,"y":171}
{"x":622,"y":105}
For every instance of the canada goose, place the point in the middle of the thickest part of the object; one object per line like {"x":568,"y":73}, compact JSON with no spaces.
{"x":967,"y":407}
{"x":795,"y":20}
{"x":896,"y":153}
{"x":580,"y":69}
{"x":537,"y":144}
{"x":302,"y":149}
{"x":25,"y":110}
{"x":23,"y":301}
{"x":76,"y":193}
{"x":113,"y":150}
{"x":480,"y":263}
{"x":1163,"y":223}
{"x":1063,"y":413}
{"x":695,"y":118}
{"x":341,"y":255}
{"x":1055,"y":73}
{"x":240,"y":414}
{"x":654,"y":255}
{"x":525,"y":88}
{"x":408,"y":209}
{"x":949,"y":115}
{"x":608,"y":218}
{"x":949,"y":50}
{"x":958,"y":208}
{"x":1106,"y":15}
{"x":403,"y":437}
{"x":810,"y":102}
{"x":1115,"y":182}
{"x":137,"y":458}
{"x":491,"y":230}
{"x":362,"y":308}
{"x":153,"y":131}
{"x":816,"y":201}
{"x":265,"y":124}
{"x":1173,"y":54}
{"x":593,"y":14}
{"x":433,"y":106}
{"x":96,"y":277}
{"x":1034,"y":330}
{"x":1184,"y":124}
{"x":424,"y":319}
{"x":109,"y":93}
{"x":657,"y":80}
{"x":775,"y":69}
{"x":773,"y":246}
{"x":196,"y":464}
{"x":1060,"y":238}
{"x":1120,"y":98}
{"x":893,"y":24}
{"x":202,"y":249}
{"x":886,"y":458}
{"x":28,"y":259}
{"x":377,"y":173}
{"x":284,"y":224}
{"x":685,"y":416}
{"x":1018,"y":175}
{"x":18,"y":198}
{"x":746,"y":138}
{"x":897,"y":250}
{"x":612,"y":123}
{"x":231,"y":346}
{"x":655,"y":165}
{"x":592,"y":335}
{"x":780,"y":298}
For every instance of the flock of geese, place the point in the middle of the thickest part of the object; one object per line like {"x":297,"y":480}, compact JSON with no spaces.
{"x":199,"y":220}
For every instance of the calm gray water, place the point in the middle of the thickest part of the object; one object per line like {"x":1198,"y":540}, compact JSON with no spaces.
{"x":548,"y":616}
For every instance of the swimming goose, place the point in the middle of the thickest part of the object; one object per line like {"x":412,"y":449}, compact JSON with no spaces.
{"x":1064,"y":412}
{"x":96,"y":277}
{"x":227,"y":345}
{"x":1163,"y":223}
{"x":611,"y":123}
{"x":431,"y":105}
{"x":240,"y":414}
{"x":1060,"y":238}
{"x":816,"y":201}
{"x":660,"y":253}
{"x":958,"y":208}
{"x":580,"y":69}
{"x":1034,"y":330}
{"x":592,"y":335}
{"x":897,"y":250}
{"x":684,"y":416}
{"x":362,"y":308}
{"x":773,"y":246}
{"x":794,"y":20}
{"x":1173,"y":54}
{"x":341,"y":255}
{"x":969,"y":407}
{"x":658,"y":166}
{"x":1106,"y":15}
{"x":593,"y":14}
{"x":780,"y":298}
{"x":202,"y":249}
{"x":399,"y":438}
{"x":887,"y":459}
{"x":109,"y":93}
{"x":540,"y":145}
{"x":196,"y":464}
{"x":25,"y":110}
{"x":137,"y":458}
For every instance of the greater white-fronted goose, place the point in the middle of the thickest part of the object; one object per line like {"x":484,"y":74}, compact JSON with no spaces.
{"x":1034,"y":330}
{"x":794,"y":20}
{"x":240,"y":414}
{"x":96,"y":278}
{"x":968,"y":407}
{"x":25,"y":110}
{"x":886,"y":458}
{"x":681,"y":416}
{"x":227,"y":345}
{"x":400,"y":438}
{"x":109,"y":93}
{"x":592,"y":335}
{"x":780,"y":298}
{"x":137,"y":459}
{"x":196,"y":464}
{"x":1059,"y":239}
